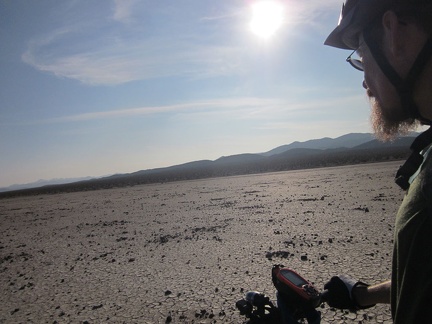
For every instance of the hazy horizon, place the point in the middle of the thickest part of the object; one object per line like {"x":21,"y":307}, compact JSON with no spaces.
{"x":84,"y":177}
{"x":351,"y":140}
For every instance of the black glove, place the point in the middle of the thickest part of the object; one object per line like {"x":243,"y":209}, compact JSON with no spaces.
{"x":339,"y":292}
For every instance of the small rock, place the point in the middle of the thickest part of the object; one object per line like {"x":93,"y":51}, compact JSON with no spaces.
{"x":14,"y":311}
{"x":97,"y":306}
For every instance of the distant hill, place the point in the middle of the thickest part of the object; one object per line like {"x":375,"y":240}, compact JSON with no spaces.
{"x":401,"y":141}
{"x":41,"y":183}
{"x":344,"y":150}
{"x":239,"y":158}
{"x":346,"y":141}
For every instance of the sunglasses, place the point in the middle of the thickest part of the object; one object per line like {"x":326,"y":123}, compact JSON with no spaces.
{"x":355,"y":63}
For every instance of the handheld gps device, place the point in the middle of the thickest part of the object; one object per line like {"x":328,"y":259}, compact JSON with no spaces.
{"x":294,"y":287}
{"x":297,"y":299}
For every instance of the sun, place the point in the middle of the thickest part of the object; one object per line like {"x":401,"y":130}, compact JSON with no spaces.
{"x":267,"y":18}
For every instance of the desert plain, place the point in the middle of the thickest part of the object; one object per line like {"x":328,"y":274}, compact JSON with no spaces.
{"x":185,"y":252}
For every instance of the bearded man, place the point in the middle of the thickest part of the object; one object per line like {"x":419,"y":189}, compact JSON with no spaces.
{"x":392,"y":40}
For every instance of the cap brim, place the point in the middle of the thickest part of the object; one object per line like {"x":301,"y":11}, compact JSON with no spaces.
{"x":337,"y":37}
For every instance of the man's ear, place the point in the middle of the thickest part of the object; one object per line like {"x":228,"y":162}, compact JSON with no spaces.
{"x":393,"y":34}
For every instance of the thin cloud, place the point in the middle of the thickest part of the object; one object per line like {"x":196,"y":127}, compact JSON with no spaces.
{"x":111,"y":65}
{"x":240,"y":108}
{"x":125,"y":60}
{"x":310,"y":12}
{"x":123,"y":10}
{"x":214,"y":105}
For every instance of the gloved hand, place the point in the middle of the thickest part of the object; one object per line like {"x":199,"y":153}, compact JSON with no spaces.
{"x":340,"y":292}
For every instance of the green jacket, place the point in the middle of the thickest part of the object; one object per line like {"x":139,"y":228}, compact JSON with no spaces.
{"x":411,"y":289}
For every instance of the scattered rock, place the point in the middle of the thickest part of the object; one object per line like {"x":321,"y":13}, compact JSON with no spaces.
{"x":279,"y":254}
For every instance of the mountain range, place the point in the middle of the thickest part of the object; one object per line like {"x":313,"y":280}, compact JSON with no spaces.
{"x":351,"y":148}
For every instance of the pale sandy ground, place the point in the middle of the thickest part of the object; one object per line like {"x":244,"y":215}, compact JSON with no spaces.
{"x":188,"y":251}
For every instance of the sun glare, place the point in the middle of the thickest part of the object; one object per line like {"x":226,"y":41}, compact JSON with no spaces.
{"x":267,"y":18}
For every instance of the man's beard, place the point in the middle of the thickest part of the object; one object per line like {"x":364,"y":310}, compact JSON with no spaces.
{"x":385,"y":128}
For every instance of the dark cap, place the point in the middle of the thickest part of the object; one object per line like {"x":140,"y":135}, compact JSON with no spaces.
{"x":355,"y":16}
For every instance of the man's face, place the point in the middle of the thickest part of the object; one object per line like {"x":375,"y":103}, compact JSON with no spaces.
{"x":388,"y":118}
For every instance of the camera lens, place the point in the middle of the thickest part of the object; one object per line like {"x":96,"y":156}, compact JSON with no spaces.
{"x":256,"y":299}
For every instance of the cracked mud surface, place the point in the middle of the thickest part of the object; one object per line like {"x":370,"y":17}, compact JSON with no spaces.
{"x":187,"y":251}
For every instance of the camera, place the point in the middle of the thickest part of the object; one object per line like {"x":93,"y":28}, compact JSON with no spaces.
{"x":258,"y":308}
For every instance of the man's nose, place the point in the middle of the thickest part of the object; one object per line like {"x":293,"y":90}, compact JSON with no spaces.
{"x":364,"y":84}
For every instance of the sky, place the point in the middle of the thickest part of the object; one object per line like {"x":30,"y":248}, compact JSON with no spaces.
{"x":99,"y":87}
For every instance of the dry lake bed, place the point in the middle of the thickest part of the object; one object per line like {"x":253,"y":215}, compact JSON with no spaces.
{"x":187,"y":251}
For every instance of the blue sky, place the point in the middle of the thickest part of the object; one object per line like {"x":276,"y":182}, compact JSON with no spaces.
{"x":96,"y":87}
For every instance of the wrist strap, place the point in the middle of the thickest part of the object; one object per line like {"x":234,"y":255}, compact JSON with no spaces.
{"x":356,"y":304}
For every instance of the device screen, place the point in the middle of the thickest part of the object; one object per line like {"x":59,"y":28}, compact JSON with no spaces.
{"x":296,"y":280}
